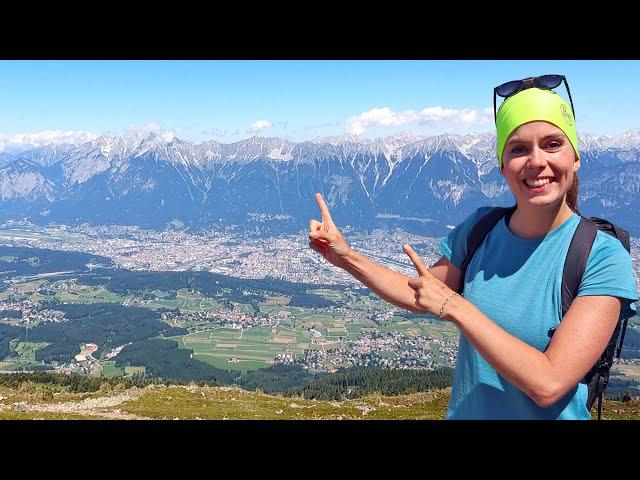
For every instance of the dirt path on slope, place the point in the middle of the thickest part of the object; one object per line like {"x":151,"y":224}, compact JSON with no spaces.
{"x":91,"y":407}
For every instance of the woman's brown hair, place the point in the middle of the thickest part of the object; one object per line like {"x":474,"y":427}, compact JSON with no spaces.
{"x":572,"y":194}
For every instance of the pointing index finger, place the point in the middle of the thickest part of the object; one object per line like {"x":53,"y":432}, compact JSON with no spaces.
{"x":326,"y":216}
{"x":417,"y":261}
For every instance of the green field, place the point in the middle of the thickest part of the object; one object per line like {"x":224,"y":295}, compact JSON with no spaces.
{"x":434,"y":328}
{"x":328,"y":294}
{"x":253,"y":348}
{"x":133,"y":370}
{"x":276,"y":304}
{"x":240,"y":365}
{"x":110,"y":370}
{"x":78,"y":293}
{"x":89,"y":294}
{"x":27,"y":350}
{"x":189,"y":302}
{"x":23,"y":355}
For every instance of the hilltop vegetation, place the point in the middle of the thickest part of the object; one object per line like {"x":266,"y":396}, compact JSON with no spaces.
{"x":8,"y":333}
{"x":240,"y":290}
{"x":359,"y":382}
{"x":161,"y":401}
{"x":31,"y":261}
{"x":276,"y":378}
{"x":69,"y":382}
{"x":163,"y":359}
{"x":105,"y":324}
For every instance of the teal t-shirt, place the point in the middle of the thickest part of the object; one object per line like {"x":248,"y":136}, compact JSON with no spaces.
{"x":516,"y":283}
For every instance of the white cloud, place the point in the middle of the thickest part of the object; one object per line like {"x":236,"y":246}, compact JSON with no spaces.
{"x":25,"y":141}
{"x":260,"y":125}
{"x":385,"y":117}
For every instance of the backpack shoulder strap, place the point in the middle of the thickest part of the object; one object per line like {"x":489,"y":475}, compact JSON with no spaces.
{"x":576,"y":261}
{"x":614,"y":230}
{"x":478,"y":233}
{"x":575,"y":264}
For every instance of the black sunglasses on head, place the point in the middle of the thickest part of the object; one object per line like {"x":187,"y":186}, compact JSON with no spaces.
{"x":547,"y":82}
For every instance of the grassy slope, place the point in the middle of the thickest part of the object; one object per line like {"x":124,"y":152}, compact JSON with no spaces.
{"x":234,"y":403}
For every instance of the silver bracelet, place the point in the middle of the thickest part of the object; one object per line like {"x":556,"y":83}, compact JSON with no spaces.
{"x":445,"y":302}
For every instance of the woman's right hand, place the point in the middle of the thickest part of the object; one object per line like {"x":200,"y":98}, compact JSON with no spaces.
{"x":326,"y":239}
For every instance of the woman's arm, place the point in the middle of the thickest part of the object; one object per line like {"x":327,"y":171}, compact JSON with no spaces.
{"x":394,"y":286}
{"x":326,"y":239}
{"x":389,"y":285}
{"x":547,"y":376}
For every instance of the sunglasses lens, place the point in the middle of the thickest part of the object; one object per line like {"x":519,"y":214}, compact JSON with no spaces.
{"x":509,"y":88}
{"x":549,"y":81}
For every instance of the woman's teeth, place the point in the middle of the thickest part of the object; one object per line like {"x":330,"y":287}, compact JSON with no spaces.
{"x":538,"y":183}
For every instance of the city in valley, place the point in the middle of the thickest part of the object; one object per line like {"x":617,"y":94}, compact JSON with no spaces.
{"x":220,"y":298}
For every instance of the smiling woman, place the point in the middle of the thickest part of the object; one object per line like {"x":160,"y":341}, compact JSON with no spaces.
{"x":511,"y":277}
{"x":507,"y":367}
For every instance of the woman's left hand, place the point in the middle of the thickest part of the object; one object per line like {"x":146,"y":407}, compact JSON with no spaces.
{"x":430,"y":293}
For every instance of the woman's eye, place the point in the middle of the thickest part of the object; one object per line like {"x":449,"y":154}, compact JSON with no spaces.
{"x":517,"y":149}
{"x":554,"y":144}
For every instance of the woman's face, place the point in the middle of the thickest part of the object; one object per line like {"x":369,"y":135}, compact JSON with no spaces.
{"x":539,"y":150}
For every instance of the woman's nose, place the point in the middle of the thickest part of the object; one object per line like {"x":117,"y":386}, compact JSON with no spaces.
{"x":536,"y":158}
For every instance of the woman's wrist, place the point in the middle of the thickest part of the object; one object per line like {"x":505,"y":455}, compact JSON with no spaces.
{"x":455,"y":309}
{"x":444,"y":304}
{"x":350,"y":260}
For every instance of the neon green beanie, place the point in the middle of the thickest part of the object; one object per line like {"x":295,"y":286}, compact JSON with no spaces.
{"x":531,"y":105}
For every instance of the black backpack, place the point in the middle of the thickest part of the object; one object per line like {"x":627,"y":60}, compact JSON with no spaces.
{"x":574,"y":266}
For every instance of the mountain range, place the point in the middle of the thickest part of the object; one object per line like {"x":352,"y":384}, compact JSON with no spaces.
{"x":423,"y":184}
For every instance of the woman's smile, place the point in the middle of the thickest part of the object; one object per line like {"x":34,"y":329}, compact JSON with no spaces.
{"x":540,"y":185}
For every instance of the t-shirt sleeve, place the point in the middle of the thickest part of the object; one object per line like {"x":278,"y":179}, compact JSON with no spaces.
{"x":609,"y":271}
{"x":454,"y":245}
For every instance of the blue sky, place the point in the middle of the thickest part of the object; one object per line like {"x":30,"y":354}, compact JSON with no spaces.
{"x":298,"y":100}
